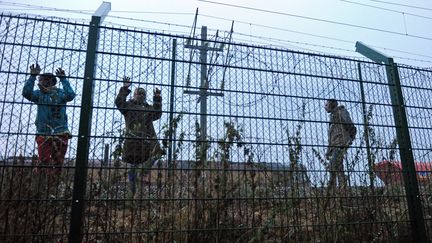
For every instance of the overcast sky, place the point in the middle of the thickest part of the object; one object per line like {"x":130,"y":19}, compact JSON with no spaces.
{"x":397,"y":28}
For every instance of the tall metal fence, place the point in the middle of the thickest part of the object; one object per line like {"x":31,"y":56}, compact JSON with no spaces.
{"x":244,"y":135}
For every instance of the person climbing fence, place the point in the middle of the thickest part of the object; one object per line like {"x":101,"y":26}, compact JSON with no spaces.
{"x":141,"y":146}
{"x":52,"y":132}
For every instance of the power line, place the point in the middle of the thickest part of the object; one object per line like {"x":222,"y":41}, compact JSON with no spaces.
{"x":258,"y":37}
{"x":149,"y":21}
{"x":151,"y":12}
{"x":320,"y":20}
{"x":386,"y":9}
{"x":37,"y":7}
{"x":304,"y":33}
{"x":43,"y":8}
{"x":276,"y":28}
{"x":281,"y":42}
{"x":294,"y":42}
{"x":403,"y":5}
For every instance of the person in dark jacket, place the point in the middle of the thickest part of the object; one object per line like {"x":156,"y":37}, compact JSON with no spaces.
{"x":341,"y":134}
{"x":51,"y":119}
{"x":141,"y":146}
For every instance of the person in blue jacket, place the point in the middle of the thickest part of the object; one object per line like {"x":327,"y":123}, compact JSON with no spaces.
{"x":51,"y":119}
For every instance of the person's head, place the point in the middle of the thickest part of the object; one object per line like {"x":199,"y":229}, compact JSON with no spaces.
{"x":139,"y":95}
{"x":47,"y":80}
{"x":330,"y":105}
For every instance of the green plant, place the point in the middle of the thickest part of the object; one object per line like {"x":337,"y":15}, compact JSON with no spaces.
{"x":295,"y":148}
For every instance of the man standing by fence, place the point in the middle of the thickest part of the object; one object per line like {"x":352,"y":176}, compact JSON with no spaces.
{"x":140,"y":145}
{"x":51,"y":119}
{"x":341,"y":134}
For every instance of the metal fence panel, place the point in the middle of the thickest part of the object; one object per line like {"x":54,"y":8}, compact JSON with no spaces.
{"x":35,"y":207}
{"x":264,"y":176}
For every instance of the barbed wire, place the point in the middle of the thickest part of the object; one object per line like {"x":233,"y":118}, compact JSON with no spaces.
{"x":251,"y":61}
{"x":303,"y":33}
{"x":251,"y":24}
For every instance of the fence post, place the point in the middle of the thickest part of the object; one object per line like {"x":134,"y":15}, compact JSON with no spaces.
{"x":407,"y":157}
{"x":366,"y":129}
{"x":171,"y":117}
{"x":412,"y":191}
{"x":80,"y":177}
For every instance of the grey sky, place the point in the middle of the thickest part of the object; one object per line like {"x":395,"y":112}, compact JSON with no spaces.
{"x":326,"y":26}
{"x":397,"y":28}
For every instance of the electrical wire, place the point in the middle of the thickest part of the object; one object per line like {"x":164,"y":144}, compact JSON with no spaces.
{"x":276,"y":28}
{"x":239,"y":33}
{"x":386,"y":9}
{"x":149,"y":21}
{"x":282,"y":43}
{"x":257,"y":37}
{"x":231,"y":5}
{"x":42,"y":8}
{"x":403,"y":5}
{"x":39,"y":7}
{"x":320,"y":20}
{"x":304,"y":33}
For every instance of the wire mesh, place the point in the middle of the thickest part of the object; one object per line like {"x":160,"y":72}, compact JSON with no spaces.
{"x":259,"y":172}
{"x":35,"y":205}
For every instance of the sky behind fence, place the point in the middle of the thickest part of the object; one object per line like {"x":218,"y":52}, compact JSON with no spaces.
{"x":267,"y":137}
{"x":267,"y":92}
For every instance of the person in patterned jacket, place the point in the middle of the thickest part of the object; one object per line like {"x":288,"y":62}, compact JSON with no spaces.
{"x":341,"y":134}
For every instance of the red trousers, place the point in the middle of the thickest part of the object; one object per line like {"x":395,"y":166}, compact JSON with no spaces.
{"x":51,"y":151}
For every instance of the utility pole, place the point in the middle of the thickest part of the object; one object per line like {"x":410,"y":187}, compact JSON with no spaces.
{"x":203,"y":90}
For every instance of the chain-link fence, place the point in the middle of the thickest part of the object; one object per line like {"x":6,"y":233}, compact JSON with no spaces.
{"x":243,"y":137}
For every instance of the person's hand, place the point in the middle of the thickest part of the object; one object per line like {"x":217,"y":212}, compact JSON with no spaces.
{"x":126,"y":82}
{"x":157,"y":92}
{"x":60,"y":73}
{"x":35,"y":69}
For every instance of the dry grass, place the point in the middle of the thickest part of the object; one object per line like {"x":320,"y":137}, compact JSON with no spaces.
{"x":252,"y":206}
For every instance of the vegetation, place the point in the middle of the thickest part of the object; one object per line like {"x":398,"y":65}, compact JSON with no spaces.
{"x":214,"y":201}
